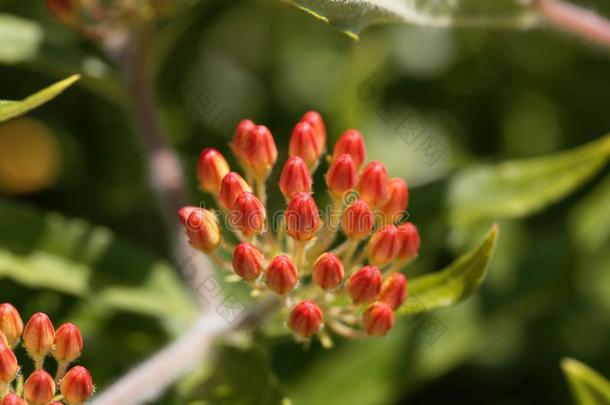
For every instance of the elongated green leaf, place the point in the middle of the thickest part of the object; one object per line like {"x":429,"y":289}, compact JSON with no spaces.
{"x":453,"y":284}
{"x":351,"y":16}
{"x":11,"y":109}
{"x":519,"y":188}
{"x":588,"y":387}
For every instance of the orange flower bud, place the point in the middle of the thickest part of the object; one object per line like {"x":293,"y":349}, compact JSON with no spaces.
{"x":231,"y":187}
{"x":239,"y":138}
{"x":383,"y":246}
{"x":68,"y":343}
{"x":305,"y":318}
{"x":248,"y":215}
{"x":397,"y":203}
{"x":39,"y":336}
{"x":3,"y":339}
{"x":10,"y":323}
{"x":295,"y":177}
{"x":352,"y":143}
{"x":373,"y":186}
{"x":8,"y":365}
{"x":357,"y":220}
{"x":328,"y":271}
{"x":282,"y":275}
{"x":211,"y":168}
{"x":247,"y":261}
{"x":39,"y":388}
{"x":304,"y":143}
{"x":315,"y":120}
{"x":342,"y":176}
{"x":12,"y":399}
{"x":258,"y":151}
{"x":365,"y":284}
{"x":302,"y":217}
{"x":378,"y":319}
{"x":201,"y":228}
{"x":394,"y":290}
{"x":408,"y":241}
{"x":77,"y":385}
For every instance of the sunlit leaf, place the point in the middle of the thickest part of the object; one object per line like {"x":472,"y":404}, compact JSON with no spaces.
{"x":11,"y":109}
{"x":588,"y":387}
{"x":20,"y":38}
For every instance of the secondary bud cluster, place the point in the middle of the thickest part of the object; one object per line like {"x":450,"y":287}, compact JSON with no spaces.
{"x":40,"y":340}
{"x":314,"y":263}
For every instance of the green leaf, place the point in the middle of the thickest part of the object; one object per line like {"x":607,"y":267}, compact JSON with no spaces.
{"x":590,"y":219}
{"x":519,"y":188}
{"x":588,"y":387}
{"x":11,"y":109}
{"x":453,"y":284}
{"x":352,"y":16}
{"x":20,"y":39}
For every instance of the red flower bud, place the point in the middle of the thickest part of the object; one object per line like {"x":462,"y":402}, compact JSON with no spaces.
{"x":315,"y":120}
{"x":68,"y":343}
{"x":305,"y":318}
{"x":352,"y":143}
{"x":383,"y":246}
{"x":12,"y":399}
{"x":247,"y":261}
{"x":282,"y":275}
{"x":39,"y":336}
{"x":342,"y":176}
{"x":211,"y":168}
{"x":394,"y":290}
{"x":248,"y":215}
{"x":378,"y":319}
{"x":295,"y":177}
{"x":373,"y":186}
{"x":239,"y":138}
{"x":39,"y":388}
{"x":8,"y":365}
{"x":201,"y":228}
{"x":231,"y":187}
{"x":302,"y":217}
{"x":408,"y":241}
{"x":328,"y":271}
{"x":77,"y":385}
{"x":397,"y":203}
{"x":258,"y":151}
{"x":304,"y":143}
{"x":365,"y":284}
{"x":10,"y":323}
{"x":357,"y":220}
{"x":65,"y":11}
{"x":3,"y":339}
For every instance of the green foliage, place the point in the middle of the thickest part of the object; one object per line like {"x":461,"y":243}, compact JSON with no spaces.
{"x":588,"y":387}
{"x":20,"y":38}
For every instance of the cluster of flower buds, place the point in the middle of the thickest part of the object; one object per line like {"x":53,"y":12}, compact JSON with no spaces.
{"x":40,"y":339}
{"x":341,"y":273}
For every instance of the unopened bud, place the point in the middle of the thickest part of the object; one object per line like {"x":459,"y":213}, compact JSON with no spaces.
{"x":364,"y":285}
{"x":77,"y":385}
{"x":238,"y":144}
{"x":394,"y":290}
{"x":248,"y":215}
{"x":247,"y":261}
{"x":315,"y":120}
{"x":342,"y":176}
{"x":302,"y":217}
{"x":231,"y":187}
{"x":39,"y":336}
{"x":211,"y":168}
{"x":39,"y":388}
{"x":306,"y":318}
{"x":201,"y":228}
{"x":357,"y":221}
{"x":282,"y":275}
{"x":8,"y":365}
{"x":408,"y":241}
{"x":259,"y":151}
{"x":378,"y":319}
{"x":352,"y":143}
{"x":304,"y":143}
{"x":373,"y":186}
{"x":3,"y":339}
{"x":65,"y":11}
{"x":12,"y":399}
{"x":383,"y":246}
{"x":68,"y":343}
{"x":10,"y":323}
{"x":328,"y":271}
{"x":295,"y":177}
{"x":397,"y":203}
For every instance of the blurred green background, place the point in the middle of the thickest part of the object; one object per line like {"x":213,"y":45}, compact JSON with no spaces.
{"x":82,"y":238}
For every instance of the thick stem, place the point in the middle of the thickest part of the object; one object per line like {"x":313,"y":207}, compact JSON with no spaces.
{"x":62,"y":367}
{"x":39,"y":363}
